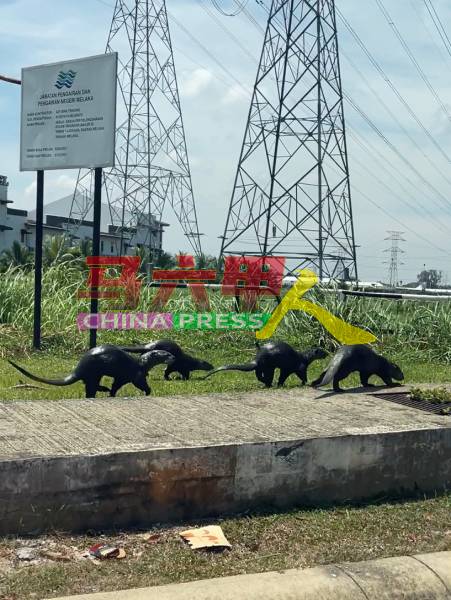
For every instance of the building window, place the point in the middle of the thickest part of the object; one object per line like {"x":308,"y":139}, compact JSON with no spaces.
{"x":22,"y":236}
{"x":101,"y":246}
{"x":112,"y":249}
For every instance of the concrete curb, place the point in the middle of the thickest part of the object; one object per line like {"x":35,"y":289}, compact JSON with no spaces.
{"x":420,"y":577}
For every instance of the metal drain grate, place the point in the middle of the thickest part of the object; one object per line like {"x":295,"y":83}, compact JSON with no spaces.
{"x":405,"y":399}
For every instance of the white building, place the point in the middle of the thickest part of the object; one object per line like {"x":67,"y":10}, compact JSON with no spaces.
{"x":20,"y":225}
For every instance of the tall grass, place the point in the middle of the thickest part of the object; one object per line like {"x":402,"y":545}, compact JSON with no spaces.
{"x":417,"y":330}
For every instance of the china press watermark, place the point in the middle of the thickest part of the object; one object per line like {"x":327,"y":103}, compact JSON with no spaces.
{"x":172,"y":321}
{"x":247,"y":278}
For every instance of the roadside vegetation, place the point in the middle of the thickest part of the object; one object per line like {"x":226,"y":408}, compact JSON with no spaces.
{"x":416,"y":335}
{"x":260,"y":542}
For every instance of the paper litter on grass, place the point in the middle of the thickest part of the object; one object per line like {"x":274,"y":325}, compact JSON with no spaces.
{"x":206,"y":537}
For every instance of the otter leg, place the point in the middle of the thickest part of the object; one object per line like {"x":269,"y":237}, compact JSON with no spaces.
{"x":364,"y":379}
{"x":302,"y":374}
{"x":91,"y":388}
{"x":283,"y":376}
{"x":319,"y":380}
{"x":169,"y":369}
{"x":268,"y":376}
{"x":117,"y":384}
{"x":336,"y":384}
{"x":102,"y":388}
{"x":260,"y":375}
{"x":388,"y":381}
{"x":185,"y":375}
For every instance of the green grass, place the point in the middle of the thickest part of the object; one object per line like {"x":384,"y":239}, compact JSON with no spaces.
{"x":420,"y":331}
{"x":434,"y":395}
{"x":300,"y":538}
{"x":438,"y":395}
{"x":48,"y":365}
{"x":416,"y":335}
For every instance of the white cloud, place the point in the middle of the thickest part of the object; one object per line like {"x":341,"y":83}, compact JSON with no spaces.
{"x":197,"y":82}
{"x":236,"y":93}
{"x":65,"y":183}
{"x":30,"y":190}
{"x":54,"y":187}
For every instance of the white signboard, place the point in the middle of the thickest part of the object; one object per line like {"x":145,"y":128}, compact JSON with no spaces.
{"x":68,"y":117}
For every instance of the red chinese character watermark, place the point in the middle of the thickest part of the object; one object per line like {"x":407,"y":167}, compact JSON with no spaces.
{"x":187,"y":273}
{"x":248,"y":277}
{"x":245,"y":277}
{"x":126,"y":281}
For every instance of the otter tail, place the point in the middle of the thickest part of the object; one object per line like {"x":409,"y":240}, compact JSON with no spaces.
{"x":328,"y":375}
{"x":247,"y":368}
{"x":66,"y":381}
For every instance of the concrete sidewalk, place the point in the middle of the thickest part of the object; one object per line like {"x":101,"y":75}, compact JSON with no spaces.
{"x":128,"y":462}
{"x":43,"y":429}
{"x":421,"y":577}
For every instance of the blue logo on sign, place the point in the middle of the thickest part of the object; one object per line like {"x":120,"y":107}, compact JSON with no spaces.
{"x":65,"y":79}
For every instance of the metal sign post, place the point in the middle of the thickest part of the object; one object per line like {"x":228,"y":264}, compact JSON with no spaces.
{"x":96,"y":248}
{"x":38,"y":259}
{"x":68,"y":121}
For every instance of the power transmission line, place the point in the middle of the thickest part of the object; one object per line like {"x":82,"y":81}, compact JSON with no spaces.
{"x":152,"y":166}
{"x":240,"y":8}
{"x":392,"y":86}
{"x":377,"y":156}
{"x":419,"y":13}
{"x":257,"y":26}
{"x":392,"y":147}
{"x":410,"y":54}
{"x":227,"y":30}
{"x":396,"y":119}
{"x":438,"y":25}
{"x":204,"y":49}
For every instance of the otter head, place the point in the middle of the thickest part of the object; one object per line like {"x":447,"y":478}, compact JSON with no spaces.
{"x":319,"y":353}
{"x":395,"y":372}
{"x":153,"y":358}
{"x":315,"y":354}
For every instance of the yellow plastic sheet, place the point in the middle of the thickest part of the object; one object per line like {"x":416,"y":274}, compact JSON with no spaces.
{"x":342,"y":331}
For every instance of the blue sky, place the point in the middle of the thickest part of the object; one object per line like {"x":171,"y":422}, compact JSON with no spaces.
{"x":215,"y":107}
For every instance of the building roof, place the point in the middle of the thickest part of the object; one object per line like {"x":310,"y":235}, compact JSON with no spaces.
{"x":62,"y":208}
{"x":17,"y":211}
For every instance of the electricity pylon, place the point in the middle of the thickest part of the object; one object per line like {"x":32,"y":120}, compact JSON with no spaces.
{"x":395,"y":237}
{"x":291,"y":195}
{"x":152,"y":165}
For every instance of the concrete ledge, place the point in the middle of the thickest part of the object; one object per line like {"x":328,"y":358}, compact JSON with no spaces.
{"x":423,"y":577}
{"x":182,"y":484}
{"x":179,"y":463}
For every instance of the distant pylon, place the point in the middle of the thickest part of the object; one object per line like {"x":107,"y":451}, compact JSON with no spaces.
{"x":291,"y":195}
{"x":395,"y":237}
{"x":151,"y":157}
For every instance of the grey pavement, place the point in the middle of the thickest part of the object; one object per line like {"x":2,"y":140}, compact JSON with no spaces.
{"x":421,"y":577}
{"x":104,"y":425}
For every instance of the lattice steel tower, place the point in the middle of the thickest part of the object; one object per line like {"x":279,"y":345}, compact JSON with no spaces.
{"x":151,"y":157}
{"x":395,"y":237}
{"x":291,"y":195}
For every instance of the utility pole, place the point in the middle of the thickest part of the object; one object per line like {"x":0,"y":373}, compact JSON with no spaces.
{"x":395,"y":237}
